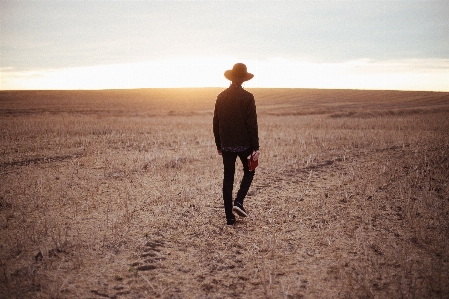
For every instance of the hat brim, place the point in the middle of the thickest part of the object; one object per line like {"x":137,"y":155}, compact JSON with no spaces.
{"x":230,"y":76}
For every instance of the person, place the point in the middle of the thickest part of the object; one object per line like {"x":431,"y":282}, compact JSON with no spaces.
{"x":236,"y":135}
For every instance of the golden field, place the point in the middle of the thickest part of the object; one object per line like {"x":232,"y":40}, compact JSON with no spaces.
{"x":117,"y":194}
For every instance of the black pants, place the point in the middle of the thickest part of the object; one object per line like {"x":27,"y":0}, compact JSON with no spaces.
{"x":229,"y":159}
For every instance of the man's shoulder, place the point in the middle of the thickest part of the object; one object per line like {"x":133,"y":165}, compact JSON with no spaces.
{"x":223,"y":93}
{"x":246,"y":95}
{"x":235,"y":92}
{"x":246,"y":92}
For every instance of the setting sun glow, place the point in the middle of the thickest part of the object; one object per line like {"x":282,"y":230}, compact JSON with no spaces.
{"x":208,"y":72}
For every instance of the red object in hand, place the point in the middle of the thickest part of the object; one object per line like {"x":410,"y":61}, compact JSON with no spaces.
{"x":252,"y":163}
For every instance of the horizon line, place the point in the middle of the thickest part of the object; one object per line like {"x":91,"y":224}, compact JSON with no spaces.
{"x":221,"y":87}
{"x":202,"y":72}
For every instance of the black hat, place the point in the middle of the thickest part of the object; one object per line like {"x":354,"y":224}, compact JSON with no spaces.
{"x":238,"y":73}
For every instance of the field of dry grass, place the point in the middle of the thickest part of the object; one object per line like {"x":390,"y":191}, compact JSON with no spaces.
{"x":117,"y":194}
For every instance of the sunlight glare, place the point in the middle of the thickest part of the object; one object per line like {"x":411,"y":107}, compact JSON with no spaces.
{"x":427,"y":74}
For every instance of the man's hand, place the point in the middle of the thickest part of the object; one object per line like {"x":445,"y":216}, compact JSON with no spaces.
{"x":219,"y":152}
{"x":256,"y":155}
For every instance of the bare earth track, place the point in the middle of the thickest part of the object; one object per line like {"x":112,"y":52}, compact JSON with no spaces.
{"x":117,"y":194}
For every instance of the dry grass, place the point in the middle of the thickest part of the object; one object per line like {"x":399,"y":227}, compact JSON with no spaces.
{"x":117,"y":194}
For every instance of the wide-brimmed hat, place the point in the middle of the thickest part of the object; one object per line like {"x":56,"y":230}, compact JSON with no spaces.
{"x":238,"y":73}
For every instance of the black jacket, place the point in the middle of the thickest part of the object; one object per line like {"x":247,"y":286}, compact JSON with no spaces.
{"x":235,"y":119}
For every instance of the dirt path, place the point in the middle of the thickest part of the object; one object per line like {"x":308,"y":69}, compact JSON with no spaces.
{"x":322,"y":231}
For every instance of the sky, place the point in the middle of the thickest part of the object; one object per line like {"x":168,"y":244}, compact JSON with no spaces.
{"x":399,"y":45}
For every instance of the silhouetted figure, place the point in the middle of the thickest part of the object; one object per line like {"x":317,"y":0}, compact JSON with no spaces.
{"x":236,"y":135}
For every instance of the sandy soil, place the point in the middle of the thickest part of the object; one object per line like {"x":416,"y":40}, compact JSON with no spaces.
{"x":117,"y":194}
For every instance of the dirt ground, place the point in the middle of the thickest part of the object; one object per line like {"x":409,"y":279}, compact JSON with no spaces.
{"x":117,"y":194}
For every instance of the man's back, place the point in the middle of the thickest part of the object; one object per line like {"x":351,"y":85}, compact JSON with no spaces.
{"x":235,"y":118}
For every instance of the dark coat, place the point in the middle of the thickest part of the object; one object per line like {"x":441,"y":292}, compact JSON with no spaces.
{"x":235,"y":119}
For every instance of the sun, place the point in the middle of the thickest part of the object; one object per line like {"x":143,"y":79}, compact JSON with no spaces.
{"x":208,"y":72}
{"x":166,"y":73}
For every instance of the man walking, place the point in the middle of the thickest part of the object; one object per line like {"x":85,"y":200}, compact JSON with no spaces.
{"x":236,"y":135}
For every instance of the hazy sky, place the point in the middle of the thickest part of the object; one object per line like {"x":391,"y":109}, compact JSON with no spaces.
{"x":70,"y":44}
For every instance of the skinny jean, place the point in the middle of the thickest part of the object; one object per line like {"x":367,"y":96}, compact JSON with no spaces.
{"x":229,"y":159}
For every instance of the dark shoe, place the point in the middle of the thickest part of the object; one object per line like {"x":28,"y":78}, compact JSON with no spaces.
{"x":230,"y":221}
{"x":238,"y":208}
